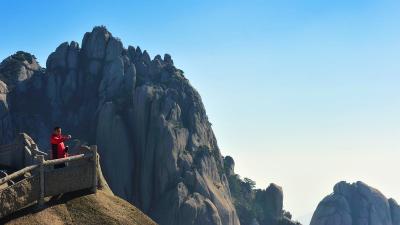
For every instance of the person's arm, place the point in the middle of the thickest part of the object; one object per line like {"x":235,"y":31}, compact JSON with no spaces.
{"x":58,"y":140}
{"x":66,"y":137}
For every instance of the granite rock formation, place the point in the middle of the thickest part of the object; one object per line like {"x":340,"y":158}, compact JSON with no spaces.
{"x":356,"y":204}
{"x":157,"y":146}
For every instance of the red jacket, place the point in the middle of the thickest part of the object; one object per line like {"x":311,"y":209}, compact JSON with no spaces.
{"x":57,"y":146}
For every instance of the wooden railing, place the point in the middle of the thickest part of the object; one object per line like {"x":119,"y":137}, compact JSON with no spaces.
{"x":42,"y":180}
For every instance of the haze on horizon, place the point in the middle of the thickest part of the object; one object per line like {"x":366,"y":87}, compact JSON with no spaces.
{"x":301,"y":93}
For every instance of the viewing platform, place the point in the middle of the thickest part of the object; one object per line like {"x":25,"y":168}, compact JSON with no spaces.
{"x":27,"y":178}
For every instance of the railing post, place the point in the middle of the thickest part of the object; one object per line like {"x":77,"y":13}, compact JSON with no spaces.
{"x":32,"y":148}
{"x":41,"y":175}
{"x":93,"y":149}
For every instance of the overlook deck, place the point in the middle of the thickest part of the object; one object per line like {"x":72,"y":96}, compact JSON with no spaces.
{"x":35,"y":178}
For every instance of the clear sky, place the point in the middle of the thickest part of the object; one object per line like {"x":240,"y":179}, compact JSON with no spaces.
{"x":301,"y":93}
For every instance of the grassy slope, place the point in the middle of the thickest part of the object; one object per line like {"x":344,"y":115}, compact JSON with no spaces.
{"x":78,"y":208}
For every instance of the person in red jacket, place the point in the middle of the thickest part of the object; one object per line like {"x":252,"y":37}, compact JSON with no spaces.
{"x":58,"y":149}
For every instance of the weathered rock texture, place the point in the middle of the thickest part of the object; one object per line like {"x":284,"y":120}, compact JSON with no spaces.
{"x":157,"y":147}
{"x":356,"y":204}
{"x":14,"y":72}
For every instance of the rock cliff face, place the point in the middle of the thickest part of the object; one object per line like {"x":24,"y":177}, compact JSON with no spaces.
{"x":356,"y":204}
{"x":14,"y":72}
{"x":157,"y":146}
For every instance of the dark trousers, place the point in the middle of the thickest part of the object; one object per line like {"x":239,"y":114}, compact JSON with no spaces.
{"x":54,"y":151}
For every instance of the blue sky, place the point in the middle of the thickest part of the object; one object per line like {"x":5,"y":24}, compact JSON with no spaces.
{"x":300,"y":93}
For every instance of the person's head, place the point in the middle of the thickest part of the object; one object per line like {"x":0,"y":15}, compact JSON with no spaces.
{"x":57,"y":130}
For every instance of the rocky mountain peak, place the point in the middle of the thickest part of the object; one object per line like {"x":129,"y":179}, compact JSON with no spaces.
{"x":17,"y":68}
{"x":94,"y":44}
{"x":356,"y":203}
